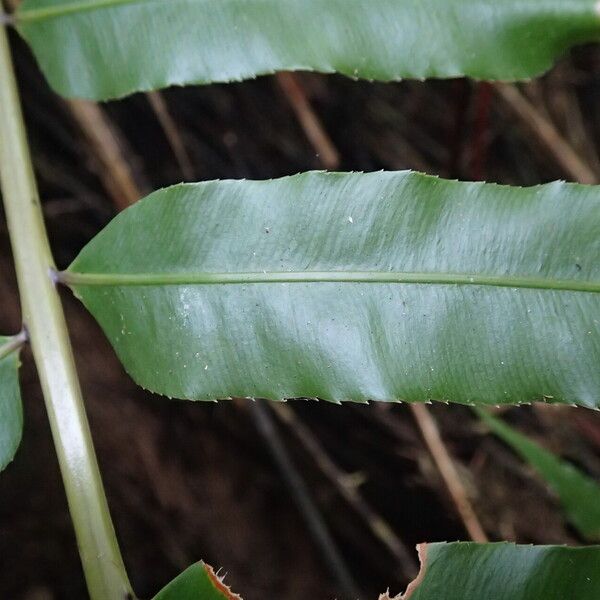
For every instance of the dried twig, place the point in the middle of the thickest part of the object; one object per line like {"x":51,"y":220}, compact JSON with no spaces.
{"x":348,"y":490}
{"x":546,"y":132}
{"x":106,"y":145}
{"x":171,"y":131}
{"x":431,"y":434}
{"x":480,"y":141}
{"x":447,"y":469}
{"x":313,"y":518}
{"x":565,"y":105}
{"x":312,"y":126}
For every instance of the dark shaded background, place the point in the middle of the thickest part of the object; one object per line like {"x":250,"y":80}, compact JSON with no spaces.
{"x":188,"y":481}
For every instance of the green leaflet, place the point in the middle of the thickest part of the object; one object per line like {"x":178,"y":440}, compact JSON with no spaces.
{"x":108,"y":48}
{"x":578,"y":493}
{"x":383,"y":286}
{"x":198,"y":582}
{"x":11,"y":410}
{"x":468,"y":571}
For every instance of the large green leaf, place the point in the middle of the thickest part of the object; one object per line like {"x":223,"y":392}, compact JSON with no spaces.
{"x":106,"y":48}
{"x":11,"y":410}
{"x":379,"y":286}
{"x":467,"y":571}
{"x":578,"y":493}
{"x":198,"y":582}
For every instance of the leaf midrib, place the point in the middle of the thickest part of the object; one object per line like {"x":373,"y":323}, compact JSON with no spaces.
{"x":215,"y":278}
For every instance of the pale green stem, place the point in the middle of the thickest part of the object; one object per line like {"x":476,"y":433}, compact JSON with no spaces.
{"x":44,"y":320}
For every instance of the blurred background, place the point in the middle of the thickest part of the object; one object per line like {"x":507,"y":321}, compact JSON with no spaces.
{"x":308,"y":500}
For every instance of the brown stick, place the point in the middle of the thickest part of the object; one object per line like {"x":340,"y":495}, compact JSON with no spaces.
{"x":104,"y":139}
{"x":546,"y":132}
{"x":348,"y":490}
{"x":171,"y":131}
{"x":481,"y":127}
{"x":312,"y":516}
{"x":447,"y":469}
{"x":328,"y":154}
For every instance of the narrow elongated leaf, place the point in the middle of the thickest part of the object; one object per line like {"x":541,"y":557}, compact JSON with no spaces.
{"x":198,"y":582}
{"x":11,"y":410}
{"x":384,"y":286}
{"x":462,"y":571}
{"x":579,"y":494}
{"x":106,"y":48}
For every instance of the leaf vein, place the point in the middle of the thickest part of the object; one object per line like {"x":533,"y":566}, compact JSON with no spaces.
{"x":213,"y":278}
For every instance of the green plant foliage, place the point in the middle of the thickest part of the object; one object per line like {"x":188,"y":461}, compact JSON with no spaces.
{"x":462,"y":571}
{"x":198,"y":582}
{"x":381,"y":286}
{"x":578,"y":493}
{"x":11,"y":410}
{"x":107,"y":48}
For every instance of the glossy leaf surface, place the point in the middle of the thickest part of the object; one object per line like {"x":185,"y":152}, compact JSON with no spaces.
{"x":198,"y":582}
{"x":384,"y":286}
{"x":507,"y":572}
{"x":11,"y":410}
{"x":578,"y":493}
{"x":108,"y":48}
